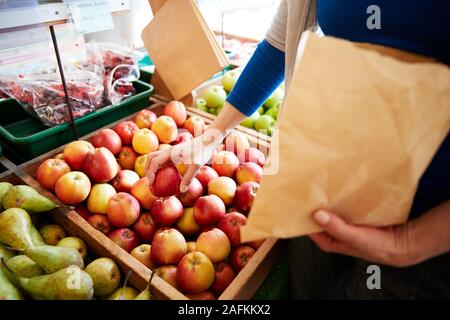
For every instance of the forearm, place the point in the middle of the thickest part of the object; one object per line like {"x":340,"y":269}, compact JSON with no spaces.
{"x":429,"y":234}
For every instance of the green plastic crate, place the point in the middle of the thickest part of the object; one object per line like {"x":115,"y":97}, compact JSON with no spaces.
{"x":24,"y":137}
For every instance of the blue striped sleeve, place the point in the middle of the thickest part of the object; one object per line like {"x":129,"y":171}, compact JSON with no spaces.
{"x":260,"y":77}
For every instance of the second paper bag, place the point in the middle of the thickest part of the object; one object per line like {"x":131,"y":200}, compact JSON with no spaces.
{"x":357,"y":131}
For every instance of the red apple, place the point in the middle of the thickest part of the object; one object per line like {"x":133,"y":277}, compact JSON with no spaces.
{"x":143,"y":254}
{"x":245,"y":194}
{"x":145,"y":141}
{"x":195,"y":272}
{"x":208,"y":210}
{"x":127,"y":158}
{"x":83,"y":211}
{"x":194,"y":191}
{"x":166,"y":211}
{"x":240,"y":257}
{"x":145,"y":228}
{"x":109,"y":139}
{"x":75,"y":152}
{"x":224,"y":275}
{"x":177,"y":111}
{"x":195,"y":125}
{"x":126,"y":130}
{"x":50,"y":171}
{"x":224,"y":188}
{"x":225,"y":163}
{"x":214,"y":244}
{"x":237,"y":143}
{"x":206,"y":228}
{"x":99,"y":196}
{"x":167,"y":181}
{"x":141,"y":191}
{"x":205,"y":175}
{"x":169,"y":274}
{"x":73,"y":188}
{"x":168,"y":246}
{"x":101,"y":223}
{"x":125,"y":180}
{"x":123,"y":210}
{"x":100,"y":165}
{"x":183,"y":136}
{"x":145,"y":118}
{"x":187,"y":225}
{"x":166,"y":129}
{"x":249,"y":171}
{"x":60,"y":156}
{"x":204,"y":295}
{"x":255,"y":244}
{"x":253,"y":155}
{"x":124,"y":238}
{"x":230,"y":224}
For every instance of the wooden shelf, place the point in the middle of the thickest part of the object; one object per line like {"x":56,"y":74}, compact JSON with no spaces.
{"x":46,"y":14}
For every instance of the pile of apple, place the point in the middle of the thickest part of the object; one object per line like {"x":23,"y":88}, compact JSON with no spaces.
{"x":192,"y":239}
{"x":263,"y":120}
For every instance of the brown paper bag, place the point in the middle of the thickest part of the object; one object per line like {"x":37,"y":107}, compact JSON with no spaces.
{"x":357,"y":131}
{"x":184,"y":49}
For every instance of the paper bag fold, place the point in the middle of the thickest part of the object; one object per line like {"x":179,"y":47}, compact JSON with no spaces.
{"x":356,"y":132}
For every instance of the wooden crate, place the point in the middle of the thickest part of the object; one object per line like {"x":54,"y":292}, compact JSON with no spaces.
{"x":98,"y":244}
{"x":243,"y":286}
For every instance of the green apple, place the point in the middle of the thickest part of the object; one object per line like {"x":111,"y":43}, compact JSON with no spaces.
{"x":200,"y":103}
{"x":250,"y":121}
{"x":277,"y":96}
{"x":213,"y":111}
{"x":214,"y":96}
{"x":274,"y":111}
{"x":265,"y":122}
{"x":261,"y":110}
{"x":229,"y":79}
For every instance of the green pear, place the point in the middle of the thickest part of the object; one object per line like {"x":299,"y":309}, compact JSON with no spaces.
{"x":52,"y":234}
{"x":7,"y":290}
{"x":4,"y":187}
{"x":5,"y":253}
{"x":124,"y":293}
{"x":36,"y":237}
{"x":106,"y":276}
{"x":15,"y":224}
{"x":146,"y":293}
{"x":52,"y":259}
{"x":71,"y":283}
{"x":75,"y":243}
{"x":24,"y":267}
{"x":27,"y":198}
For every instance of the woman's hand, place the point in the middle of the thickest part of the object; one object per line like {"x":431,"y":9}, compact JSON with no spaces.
{"x":198,"y":151}
{"x":399,"y":246}
{"x":194,"y":154}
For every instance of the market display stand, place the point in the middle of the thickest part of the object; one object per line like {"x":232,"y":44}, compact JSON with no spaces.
{"x":50,"y":15}
{"x":243,"y":286}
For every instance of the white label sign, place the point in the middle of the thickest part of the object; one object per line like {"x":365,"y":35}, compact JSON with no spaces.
{"x":91,"y":16}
